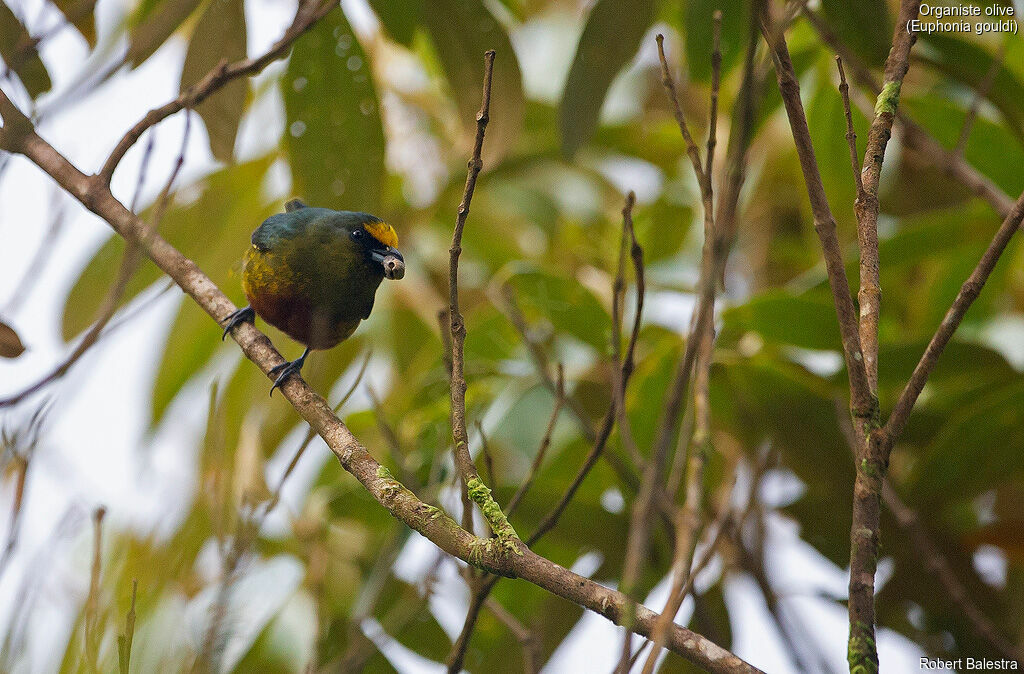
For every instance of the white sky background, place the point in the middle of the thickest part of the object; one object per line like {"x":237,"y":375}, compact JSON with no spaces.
{"x":92,"y":450}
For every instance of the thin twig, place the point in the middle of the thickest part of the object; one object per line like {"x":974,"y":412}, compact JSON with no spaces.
{"x":969,"y":292}
{"x":34,"y":270}
{"x":545,"y":442}
{"x":460,"y":437}
{"x":485,"y":449}
{"x":527,"y":638}
{"x":716,"y":78}
{"x":851,"y":135}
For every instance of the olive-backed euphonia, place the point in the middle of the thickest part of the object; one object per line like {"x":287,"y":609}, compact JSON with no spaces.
{"x":313,"y":272}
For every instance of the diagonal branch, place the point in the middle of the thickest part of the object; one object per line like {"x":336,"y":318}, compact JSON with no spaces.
{"x":862,"y":403}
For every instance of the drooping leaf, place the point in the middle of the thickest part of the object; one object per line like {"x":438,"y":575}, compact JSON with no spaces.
{"x":219,"y":35}
{"x":699,"y":34}
{"x":610,"y":39}
{"x":333,"y":130}
{"x":80,"y":14}
{"x":19,"y":53}
{"x":10,"y":343}
{"x":153,"y":22}
{"x":399,"y":19}
{"x":462,"y":30}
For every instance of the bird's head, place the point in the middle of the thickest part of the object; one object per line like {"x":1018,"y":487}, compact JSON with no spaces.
{"x":379,"y":242}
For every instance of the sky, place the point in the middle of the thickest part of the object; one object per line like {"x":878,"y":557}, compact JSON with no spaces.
{"x":91,"y":451}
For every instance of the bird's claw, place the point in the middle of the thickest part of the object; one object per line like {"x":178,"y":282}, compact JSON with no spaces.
{"x":285,"y":370}
{"x":243,"y":315}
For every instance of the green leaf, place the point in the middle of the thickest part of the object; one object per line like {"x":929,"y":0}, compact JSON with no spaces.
{"x":787,"y":319}
{"x":992,"y":149}
{"x":153,"y":22}
{"x":981,"y":446}
{"x":699,"y":35}
{"x":610,"y":39}
{"x":569,"y":306}
{"x":399,"y":19}
{"x":969,"y":64}
{"x":461,"y":31}
{"x":219,"y":35}
{"x":864,"y":25}
{"x":20,"y":54}
{"x":333,"y":135}
{"x":80,"y":14}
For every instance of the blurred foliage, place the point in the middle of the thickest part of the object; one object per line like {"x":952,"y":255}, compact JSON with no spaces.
{"x":366,"y":116}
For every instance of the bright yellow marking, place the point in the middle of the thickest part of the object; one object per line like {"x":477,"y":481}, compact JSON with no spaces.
{"x":383,"y":232}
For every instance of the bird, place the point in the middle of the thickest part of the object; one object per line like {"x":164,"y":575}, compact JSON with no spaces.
{"x":313,"y":273}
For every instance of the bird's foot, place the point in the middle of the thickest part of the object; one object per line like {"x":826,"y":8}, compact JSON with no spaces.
{"x":243,"y":315}
{"x":286,"y":369}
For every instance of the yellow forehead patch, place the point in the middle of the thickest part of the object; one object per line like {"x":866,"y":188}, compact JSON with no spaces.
{"x":383,"y":232}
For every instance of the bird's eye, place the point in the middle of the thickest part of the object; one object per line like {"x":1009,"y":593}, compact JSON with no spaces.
{"x":357,"y":234}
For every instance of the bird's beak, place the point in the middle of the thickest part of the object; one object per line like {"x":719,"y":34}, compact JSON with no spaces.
{"x":392,"y":261}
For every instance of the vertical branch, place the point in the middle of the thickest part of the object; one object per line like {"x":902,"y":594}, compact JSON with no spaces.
{"x":851,"y":135}
{"x":471,"y":482}
{"x":716,"y":78}
{"x":870,"y":294}
{"x":872,"y":457}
